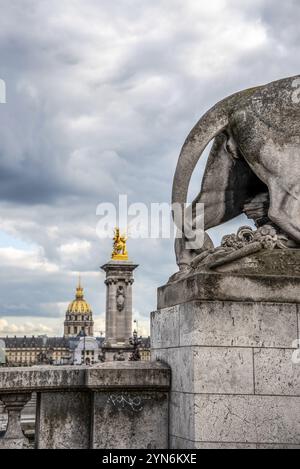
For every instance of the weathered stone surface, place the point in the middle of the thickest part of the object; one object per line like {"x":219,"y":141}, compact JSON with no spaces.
{"x":213,"y":401}
{"x":63,"y":420}
{"x":181,"y":360}
{"x":70,"y":409}
{"x":276,"y":262}
{"x":130,"y":420}
{"x":237,"y":324}
{"x":240,"y":324}
{"x":210,"y":369}
{"x":182,"y":415}
{"x":165,"y":328}
{"x":272,"y":446}
{"x":13,"y":443}
{"x":253,"y":419}
{"x":223,"y":370}
{"x":199,"y":445}
{"x":104,"y":375}
{"x":41,"y":377}
{"x":230,"y":287}
{"x":122,"y":375}
{"x":27,"y":418}
{"x":275,"y":373}
{"x":14,"y":404}
{"x":179,"y":443}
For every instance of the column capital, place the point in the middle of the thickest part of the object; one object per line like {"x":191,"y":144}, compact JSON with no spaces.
{"x":129,"y":281}
{"x":111,"y":281}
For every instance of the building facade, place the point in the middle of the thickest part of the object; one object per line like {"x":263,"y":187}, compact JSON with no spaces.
{"x":27,"y":351}
{"x":87,"y":350}
{"x":145,"y":349}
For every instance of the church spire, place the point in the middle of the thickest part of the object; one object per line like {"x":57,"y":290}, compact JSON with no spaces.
{"x":79,"y":289}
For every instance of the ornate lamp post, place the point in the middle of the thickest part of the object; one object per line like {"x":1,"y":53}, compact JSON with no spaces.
{"x":135,"y":341}
{"x":136,"y":322}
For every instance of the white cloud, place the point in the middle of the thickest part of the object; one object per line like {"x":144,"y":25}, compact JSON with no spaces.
{"x":26,"y":260}
{"x":75,"y":248}
{"x":8,"y":327}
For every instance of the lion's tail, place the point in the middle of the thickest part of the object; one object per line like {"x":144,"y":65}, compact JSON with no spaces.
{"x":210,"y":125}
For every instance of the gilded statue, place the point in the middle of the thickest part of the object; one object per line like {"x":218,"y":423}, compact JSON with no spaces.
{"x":119,"y":251}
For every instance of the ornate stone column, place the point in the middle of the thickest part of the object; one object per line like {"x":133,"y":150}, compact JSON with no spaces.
{"x":118,"y":319}
{"x":14,"y":437}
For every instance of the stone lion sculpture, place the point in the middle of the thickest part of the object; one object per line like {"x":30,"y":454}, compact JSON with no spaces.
{"x":253,"y":166}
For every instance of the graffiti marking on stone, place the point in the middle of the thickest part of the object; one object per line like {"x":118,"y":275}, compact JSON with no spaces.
{"x":121,"y":401}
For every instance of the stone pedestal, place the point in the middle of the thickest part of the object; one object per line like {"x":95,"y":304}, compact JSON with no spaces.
{"x":229,"y":340}
{"x":118,"y":325}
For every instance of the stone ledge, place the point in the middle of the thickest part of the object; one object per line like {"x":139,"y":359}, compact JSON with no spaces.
{"x":114,"y":375}
{"x":129,"y":375}
{"x":230,"y":287}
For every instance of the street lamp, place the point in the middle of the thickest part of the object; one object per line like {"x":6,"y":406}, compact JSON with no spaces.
{"x":136,"y":325}
{"x":135,"y":341}
{"x":84,"y":334}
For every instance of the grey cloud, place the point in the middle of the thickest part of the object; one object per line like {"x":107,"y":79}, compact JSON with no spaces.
{"x":101,"y":96}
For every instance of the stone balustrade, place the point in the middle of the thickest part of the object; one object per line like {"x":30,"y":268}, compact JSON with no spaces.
{"x":112,"y":405}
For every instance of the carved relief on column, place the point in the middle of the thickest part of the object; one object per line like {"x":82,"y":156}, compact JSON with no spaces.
{"x":14,"y":436}
{"x":121,"y":297}
{"x":128,"y":319}
{"x":111,"y":284}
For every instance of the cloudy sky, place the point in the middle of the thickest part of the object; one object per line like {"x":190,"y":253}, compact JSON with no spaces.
{"x":100,"y":97}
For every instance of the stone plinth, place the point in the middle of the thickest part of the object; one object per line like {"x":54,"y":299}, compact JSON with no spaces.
{"x":118,"y":325}
{"x":228,"y":339}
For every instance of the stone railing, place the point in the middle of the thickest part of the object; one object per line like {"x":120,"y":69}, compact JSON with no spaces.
{"x":112,"y":405}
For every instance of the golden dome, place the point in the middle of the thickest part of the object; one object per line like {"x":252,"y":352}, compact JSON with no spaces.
{"x":79,"y":305}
